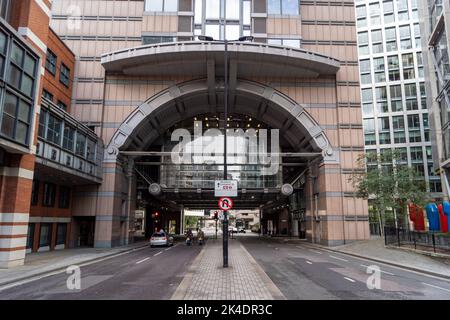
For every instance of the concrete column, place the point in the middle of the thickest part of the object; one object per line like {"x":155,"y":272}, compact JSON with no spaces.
{"x":15,"y":193}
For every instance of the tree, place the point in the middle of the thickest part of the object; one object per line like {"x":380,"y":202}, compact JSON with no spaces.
{"x":388,"y":181}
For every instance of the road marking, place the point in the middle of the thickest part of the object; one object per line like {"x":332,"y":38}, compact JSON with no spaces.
{"x":140,"y":261}
{"x":292,"y":262}
{"x":430,"y":285}
{"x":391,"y":274}
{"x":337,"y":258}
{"x":168,"y":249}
{"x":308,"y":262}
{"x":315,"y":251}
{"x":157,"y":253}
{"x":349,"y":279}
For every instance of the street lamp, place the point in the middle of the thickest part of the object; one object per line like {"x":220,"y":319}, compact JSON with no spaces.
{"x":225,"y":107}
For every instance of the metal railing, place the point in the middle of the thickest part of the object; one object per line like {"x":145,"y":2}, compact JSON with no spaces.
{"x":419,"y":240}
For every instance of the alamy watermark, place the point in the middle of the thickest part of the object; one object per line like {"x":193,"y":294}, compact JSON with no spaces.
{"x":243,"y":147}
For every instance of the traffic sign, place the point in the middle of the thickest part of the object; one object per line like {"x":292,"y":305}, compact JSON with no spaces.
{"x":225,"y":204}
{"x":225,"y":188}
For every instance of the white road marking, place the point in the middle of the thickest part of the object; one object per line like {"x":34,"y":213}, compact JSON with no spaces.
{"x":315,"y":251}
{"x":140,"y":261}
{"x":349,"y":279}
{"x":157,"y":253}
{"x":168,"y":248}
{"x":308,"y":262}
{"x":337,"y":258}
{"x":391,"y":274}
{"x":430,"y":285}
{"x":292,"y":262}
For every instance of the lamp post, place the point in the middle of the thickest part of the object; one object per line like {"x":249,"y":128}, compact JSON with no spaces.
{"x":225,"y":107}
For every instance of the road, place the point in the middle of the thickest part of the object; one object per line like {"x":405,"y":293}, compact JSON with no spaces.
{"x":148,"y":273}
{"x":301,"y":271}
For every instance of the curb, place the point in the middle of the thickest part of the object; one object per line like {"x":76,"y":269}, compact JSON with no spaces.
{"x":431,"y":273}
{"x":62,"y":268}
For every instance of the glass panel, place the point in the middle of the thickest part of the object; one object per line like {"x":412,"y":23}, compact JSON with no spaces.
{"x":45,"y":236}
{"x":68,"y":138}
{"x":295,"y":43}
{"x":24,"y":111}
{"x":154,"y":5}
{"x":17,"y":54}
{"x":14,"y":76}
{"x":22,"y":132}
{"x":7,"y":125}
{"x":232,"y":9}
{"x":289,"y":7}
{"x":27,"y":85}
{"x":198,"y":12}
{"x":213,"y":9}
{"x":274,"y":6}
{"x":3,"y":42}
{"x":232,"y":32}
{"x":170,"y":5}
{"x":212,"y":30}
{"x":10,"y":104}
{"x":246,"y":12}
{"x":80,"y":145}
{"x":29,"y":65}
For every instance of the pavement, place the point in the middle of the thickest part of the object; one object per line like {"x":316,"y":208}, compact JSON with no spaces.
{"x":242,"y":280}
{"x":40,"y":263}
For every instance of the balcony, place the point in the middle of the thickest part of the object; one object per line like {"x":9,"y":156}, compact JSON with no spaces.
{"x":68,"y":146}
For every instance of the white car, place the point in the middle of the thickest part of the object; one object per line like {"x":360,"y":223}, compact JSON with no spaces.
{"x":161,"y":239}
{"x":232,"y":229}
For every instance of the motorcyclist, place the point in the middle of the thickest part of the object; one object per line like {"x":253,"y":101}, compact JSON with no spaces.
{"x":189,"y":237}
{"x":200,"y":236}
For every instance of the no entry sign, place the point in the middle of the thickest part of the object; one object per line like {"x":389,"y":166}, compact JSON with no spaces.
{"x":225,"y":204}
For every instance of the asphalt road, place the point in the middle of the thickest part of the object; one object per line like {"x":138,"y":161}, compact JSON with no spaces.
{"x":148,"y":273}
{"x":303,"y":272}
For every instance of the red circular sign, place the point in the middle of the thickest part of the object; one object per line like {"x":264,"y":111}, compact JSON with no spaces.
{"x":225,"y":204}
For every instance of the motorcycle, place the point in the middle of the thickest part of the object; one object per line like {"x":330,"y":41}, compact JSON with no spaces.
{"x":188,"y":240}
{"x":200,"y":241}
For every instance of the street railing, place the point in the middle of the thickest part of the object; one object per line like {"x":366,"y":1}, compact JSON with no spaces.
{"x":423,"y":240}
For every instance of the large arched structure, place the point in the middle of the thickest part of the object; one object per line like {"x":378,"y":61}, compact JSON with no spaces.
{"x":187,"y":99}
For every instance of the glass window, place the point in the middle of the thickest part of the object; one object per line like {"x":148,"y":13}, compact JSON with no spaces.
{"x":232,"y":11}
{"x":68,"y":138}
{"x":47,"y":95}
{"x":366,"y":95}
{"x":35,"y":192}
{"x":212,"y":30}
{"x":383,"y":124}
{"x":246,"y":12}
{"x":170,"y":5}
{"x":64,"y":76}
{"x":369,"y":125}
{"x":64,"y":197}
{"x":198,"y":12}
{"x":45,"y":236}
{"x":49,"y":194}
{"x":54,"y":126}
{"x":80,"y":147}
{"x":42,"y":124}
{"x":289,"y":7}
{"x":156,"y":39}
{"x":16,"y":118}
{"x":396,"y":98}
{"x":360,"y":11}
{"x":402,"y":5}
{"x":232,"y":32}
{"x":30,"y":235}
{"x":213,"y":10}
{"x":61,"y":233}
{"x":90,"y":149}
{"x":62,"y":105}
{"x":363,"y":38}
{"x":50,"y":62}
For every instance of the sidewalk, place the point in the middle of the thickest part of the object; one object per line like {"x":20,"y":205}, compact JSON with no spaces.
{"x":374,"y":249}
{"x":206,"y":279}
{"x":46,"y":262}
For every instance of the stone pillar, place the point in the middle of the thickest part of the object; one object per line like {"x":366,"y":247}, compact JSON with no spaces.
{"x":16,"y":178}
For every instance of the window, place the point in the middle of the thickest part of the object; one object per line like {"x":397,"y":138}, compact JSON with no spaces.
{"x":393,"y":68}
{"x":64,"y":76}
{"x":383,"y":127}
{"x":381,"y":96}
{"x":80,"y":146}
{"x":398,"y":124}
{"x":45,"y":237}
{"x":90,"y":150}
{"x":47,"y":95}
{"x":283,"y":7}
{"x":396,"y":98}
{"x":22,"y":70}
{"x":68,"y":138}
{"x":374,"y":10}
{"x":295,"y":43}
{"x":378,"y":66}
{"x":440,"y":53}
{"x":62,"y":105}
{"x":30,"y":235}
{"x":35,"y":193}
{"x":54,"y":126}
{"x":161,"y":5}
{"x":61,"y":233}
{"x":391,"y":39}
{"x":50,"y":62}
{"x":366,"y":95}
{"x":414,"y":128}
{"x":377,"y":41}
{"x":411,"y":97}
{"x":369,"y":131}
{"x":16,"y":118}
{"x":49,"y":194}
{"x":157,"y":39}
{"x":3,"y":47}
{"x":364,"y":67}
{"x":388,"y":10}
{"x":416,"y":154}
{"x":64,"y":197}
{"x":408,"y":66}
{"x":405,"y":37}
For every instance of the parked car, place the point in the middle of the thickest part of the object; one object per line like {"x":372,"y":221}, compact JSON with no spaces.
{"x":232,"y":229}
{"x":241,"y":230}
{"x":161,"y":239}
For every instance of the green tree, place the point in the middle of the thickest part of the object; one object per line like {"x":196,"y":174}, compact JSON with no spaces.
{"x":390,"y":184}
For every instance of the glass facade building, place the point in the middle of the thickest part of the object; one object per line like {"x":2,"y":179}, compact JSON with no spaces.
{"x":393,"y":91}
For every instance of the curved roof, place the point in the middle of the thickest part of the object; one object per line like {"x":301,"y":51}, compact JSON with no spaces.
{"x":190,"y":58}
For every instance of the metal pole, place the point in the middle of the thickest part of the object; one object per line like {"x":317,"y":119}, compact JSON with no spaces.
{"x":225,"y":174}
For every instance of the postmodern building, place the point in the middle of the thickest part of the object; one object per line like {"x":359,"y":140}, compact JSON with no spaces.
{"x":394,"y":99}
{"x":434,"y":22}
{"x":141,"y":73}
